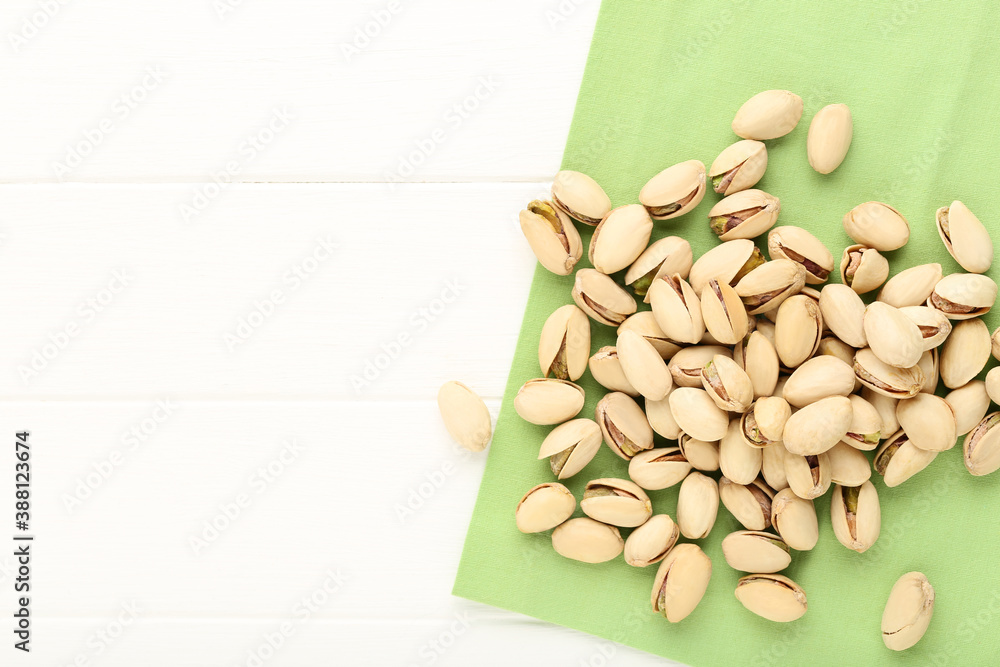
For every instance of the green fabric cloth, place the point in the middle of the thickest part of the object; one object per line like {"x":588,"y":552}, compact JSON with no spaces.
{"x":662,"y":83}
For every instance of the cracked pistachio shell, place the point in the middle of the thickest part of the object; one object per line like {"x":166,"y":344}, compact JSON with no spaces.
{"x":767,"y":286}
{"x":893,"y":336}
{"x":651,"y":542}
{"x":623,"y":425}
{"x":547,"y":401}
{"x":677,"y":309}
{"x":750,"y":504}
{"x":697,"y":506}
{"x":795,"y":520}
{"x":929,"y":422}
{"x":965,"y":353}
{"x":798,"y":329}
{"x":465,"y":416}
{"x":929,"y":364}
{"x":616,"y":502}
{"x":965,"y":238}
{"x":970,"y":404}
{"x":756,"y":551}
{"x":588,"y":541}
{"x":818,"y":427}
{"x":645,"y":325}
{"x":601,"y":298}
{"x":863,"y":269}
{"x":911,"y":287}
{"x":744,"y":215}
{"x":660,"y":468}
{"x":962,"y":296}
{"x":727,"y":384}
{"x":993,"y":385}
{"x":643,"y":366}
{"x":580,"y":197}
{"x":772,"y":596}
{"x":674,"y":191}
{"x":661,"y":420}
{"x":898,"y":459}
{"x":798,"y":245}
{"x":738,"y":461}
{"x":865,"y":430}
{"x":702,"y":455}
{"x":908,"y":611}
{"x":552,"y":237}
{"x":607,"y":370}
{"x":877,"y":226}
{"x":844,"y":313}
{"x":856,"y":516}
{"x":666,"y":257}
{"x":697,"y":414}
{"x":768,"y":115}
{"x":885,"y":405}
{"x":771,"y":413}
{"x":686,"y":365}
{"x":620,"y":238}
{"x":681,"y":582}
{"x":564,"y":344}
{"x":934,"y":326}
{"x":751,"y":432}
{"x":723,"y":312}
{"x":571,"y":446}
{"x":817,"y":378}
{"x":756,"y":355}
{"x":885,"y":379}
{"x":544,"y":507}
{"x":981,"y":448}
{"x":829,"y":139}
{"x":738,"y":167}
{"x":848,"y":466}
{"x":727,"y":262}
{"x":808,"y":476}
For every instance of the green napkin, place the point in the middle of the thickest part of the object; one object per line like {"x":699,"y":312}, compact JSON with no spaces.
{"x":662,"y":84}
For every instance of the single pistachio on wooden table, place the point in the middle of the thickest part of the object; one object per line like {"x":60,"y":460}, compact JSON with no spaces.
{"x":620,"y":238}
{"x":798,"y":245}
{"x":623,"y":424}
{"x":877,"y":225}
{"x":668,"y":256}
{"x":571,"y":446}
{"x":674,"y":191}
{"x":548,"y":401}
{"x":856,"y":516}
{"x":829,"y":139}
{"x":768,"y":115}
{"x":756,"y":551}
{"x":544,"y":507}
{"x":965,"y":237}
{"x":738,"y":167}
{"x":772,"y":596}
{"x":601,"y":298}
{"x":744,"y":215}
{"x":564,"y":344}
{"x":908,"y":611}
{"x":465,"y":416}
{"x":587,"y":540}
{"x":552,"y":237}
{"x":863,"y":269}
{"x":681,"y":582}
{"x":580,"y":197}
{"x":652,"y":541}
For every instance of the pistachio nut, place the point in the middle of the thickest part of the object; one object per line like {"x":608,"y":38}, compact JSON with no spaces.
{"x":738,"y":460}
{"x":893,"y":336}
{"x":643,"y":366}
{"x":601,"y":298}
{"x":981,"y":448}
{"x":580,"y":197}
{"x":547,"y":401}
{"x":744,"y":215}
{"x":651,"y":542}
{"x":929,"y":363}
{"x":660,"y":468}
{"x":727,"y":262}
{"x":750,"y":431}
{"x":831,"y":346}
{"x":897,"y":460}
{"x":767,"y":286}
{"x":771,"y":413}
{"x":674,"y":191}
{"x":681,"y":582}
{"x":588,"y":541}
{"x":571,"y":446}
{"x":885,"y":405}
{"x":995,"y":340}
{"x":884,"y":379}
{"x":766,"y":328}
{"x":772,"y":596}
{"x":661,"y":420}
{"x":798,"y":329}
{"x":738,"y":167}
{"x":798,"y":245}
{"x":877,"y":226}
{"x":856,"y":516}
{"x":962,"y":296}
{"x":697,"y":505}
{"x":607,"y":370}
{"x":756,"y":551}
{"x":965,"y":353}
{"x":701,"y":455}
{"x":934,"y":326}
{"x":645,"y":325}
{"x":817,"y":378}
{"x":819,"y":426}
{"x":863,"y":269}
{"x":912,"y":286}
{"x":723,"y":312}
{"x":620,"y":238}
{"x":970,"y":404}
{"x":756,"y":355}
{"x":552,"y":237}
{"x":795,"y":520}
{"x":465,"y":416}
{"x":768,"y":115}
{"x":865,"y":430}
{"x":727,"y":384}
{"x":686,"y":365}
{"x":908,"y":611}
{"x":993,"y":384}
{"x":929,"y":422}
{"x":808,"y":476}
{"x":697,"y":414}
{"x":564,"y":344}
{"x":829,"y":137}
{"x":544,"y":507}
{"x":848,"y":466}
{"x":677,"y":309}
{"x":616,"y":502}
{"x":965,"y":238}
{"x":666,"y":257}
{"x":623,"y":424}
{"x":750,"y":504}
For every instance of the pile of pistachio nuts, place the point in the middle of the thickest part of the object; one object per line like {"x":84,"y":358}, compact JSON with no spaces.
{"x":756,"y":368}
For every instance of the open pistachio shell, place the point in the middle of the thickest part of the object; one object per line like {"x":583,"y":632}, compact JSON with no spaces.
{"x":552,"y":237}
{"x":829,"y":137}
{"x":808,"y":476}
{"x":702,"y":455}
{"x":970,"y":404}
{"x":863,"y":269}
{"x":767,"y":286}
{"x":601,"y":298}
{"x":795,"y":520}
{"x":897,"y":460}
{"x":865,"y":430}
{"x":929,"y":422}
{"x":908,"y":611}
{"x":681,"y":582}
{"x":817,"y":378}
{"x":893,"y":336}
{"x":548,"y":401}
{"x":750,"y":504}
{"x":677,"y":309}
{"x":981,"y":448}
{"x":587,"y":540}
{"x":771,"y":413}
{"x":643,"y":366}
{"x":697,"y":506}
{"x":877,"y":226}
{"x":744,"y":215}
{"x":727,"y":263}
{"x":674,"y":191}
{"x":965,"y":353}
{"x":848,"y":466}
{"x":544,"y":507}
{"x":666,"y":257}
{"x":912,"y":286}
{"x":768,"y":115}
{"x":623,"y":425}
{"x":616,"y":502}
{"x":738,"y":167}
{"x":620,"y":238}
{"x":756,"y":355}
{"x":962,"y":296}
{"x":645,"y":325}
{"x":756,"y":551}
{"x":751,"y":433}
{"x":686,"y":365}
{"x":887,"y":380}
{"x":772,"y":596}
{"x":580,"y":197}
{"x":727,"y":384}
{"x":798,"y":330}
{"x":723,"y":313}
{"x":651,"y":542}
{"x":606,"y":368}
{"x":935,"y":327}
{"x":801,"y":247}
{"x":965,"y":237}
{"x":571,"y":446}
{"x":660,"y":468}
{"x":856,"y":516}
{"x":465,"y":416}
{"x":564,"y":344}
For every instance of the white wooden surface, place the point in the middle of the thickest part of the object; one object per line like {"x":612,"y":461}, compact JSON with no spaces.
{"x":222,"y":306}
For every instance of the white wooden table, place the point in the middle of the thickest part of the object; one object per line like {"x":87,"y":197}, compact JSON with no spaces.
{"x":241,"y":245}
